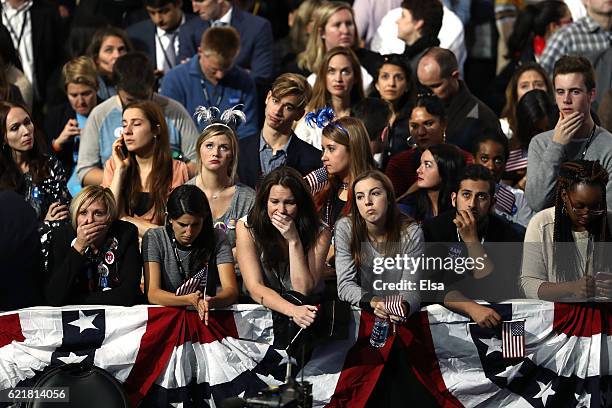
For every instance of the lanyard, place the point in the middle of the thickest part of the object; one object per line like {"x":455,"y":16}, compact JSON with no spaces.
{"x":161,"y":45}
{"x":12,"y":29}
{"x":179,"y":265}
{"x":588,"y":142}
{"x":207,"y":97}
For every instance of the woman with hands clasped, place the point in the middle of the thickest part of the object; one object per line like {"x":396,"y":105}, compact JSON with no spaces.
{"x":141,"y":172}
{"x":564,"y":252}
{"x":280,"y":247}
{"x":374,"y":230}
{"x":186,"y":259}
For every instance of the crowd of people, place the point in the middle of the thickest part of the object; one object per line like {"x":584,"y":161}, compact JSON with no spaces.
{"x":207,"y":158}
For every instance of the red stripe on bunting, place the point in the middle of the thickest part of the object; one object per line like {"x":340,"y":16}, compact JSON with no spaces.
{"x":221,"y":324}
{"x":362,"y":368}
{"x":580,"y":319}
{"x":415,"y":335}
{"x":10,"y":329}
{"x":165,"y":330}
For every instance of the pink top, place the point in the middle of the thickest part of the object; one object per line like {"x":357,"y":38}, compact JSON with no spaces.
{"x":179,"y":177}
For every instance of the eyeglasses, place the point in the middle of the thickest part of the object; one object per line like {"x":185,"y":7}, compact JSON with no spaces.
{"x":584,"y":210}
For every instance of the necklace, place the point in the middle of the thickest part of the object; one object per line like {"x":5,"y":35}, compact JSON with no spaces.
{"x":344,"y":186}
{"x":215,"y":195}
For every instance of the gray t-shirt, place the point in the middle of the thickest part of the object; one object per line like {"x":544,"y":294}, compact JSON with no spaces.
{"x":157,"y":247}
{"x":241,"y":204}
{"x":351,"y":285}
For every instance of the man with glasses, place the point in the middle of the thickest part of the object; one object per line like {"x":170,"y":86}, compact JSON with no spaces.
{"x":576,"y":136}
{"x":467,"y":115}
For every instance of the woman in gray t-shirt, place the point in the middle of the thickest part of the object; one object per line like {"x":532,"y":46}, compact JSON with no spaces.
{"x":185,"y":260}
{"x":368,"y":243}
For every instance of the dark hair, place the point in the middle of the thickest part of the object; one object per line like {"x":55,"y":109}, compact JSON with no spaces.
{"x":494,"y":137}
{"x":160,"y":178}
{"x":189,"y":199}
{"x":533,"y":20}
{"x":477,"y":172}
{"x":509,"y":110}
{"x":446,"y":60}
{"x":398,"y":61}
{"x":374,"y":113}
{"x":158,"y":3}
{"x":433,"y":105}
{"x":11,"y":177}
{"x":102,"y":34}
{"x":430,"y":11}
{"x":81,"y":35}
{"x":572,"y":64}
{"x":590,"y":173}
{"x":395,"y":221}
{"x":533,"y":107}
{"x":268,"y":240}
{"x":133,"y":73}
{"x":7,"y":49}
{"x":450,"y":162}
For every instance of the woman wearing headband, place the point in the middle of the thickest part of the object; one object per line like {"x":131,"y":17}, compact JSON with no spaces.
{"x":185,"y":260}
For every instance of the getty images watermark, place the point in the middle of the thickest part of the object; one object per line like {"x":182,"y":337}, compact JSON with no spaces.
{"x":397,"y":272}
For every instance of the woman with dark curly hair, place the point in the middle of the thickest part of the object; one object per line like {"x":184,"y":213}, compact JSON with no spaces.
{"x":563,"y":245}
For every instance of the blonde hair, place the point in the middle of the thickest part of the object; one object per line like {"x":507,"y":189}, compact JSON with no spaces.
{"x":80,"y":70}
{"x":312,"y":57}
{"x":217,"y":129}
{"x":298,"y":33}
{"x":87,"y":196}
{"x":352,"y":133}
{"x":320,"y":95}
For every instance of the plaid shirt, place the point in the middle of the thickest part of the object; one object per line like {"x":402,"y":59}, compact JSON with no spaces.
{"x":582,"y":37}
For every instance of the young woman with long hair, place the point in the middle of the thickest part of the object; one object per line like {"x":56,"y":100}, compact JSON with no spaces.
{"x":338,"y":86}
{"x":108,"y":44}
{"x":563,"y":245}
{"x":185,"y":260}
{"x":26,"y":168}
{"x":375,"y":228}
{"x":141,"y":172}
{"x":279,"y":246}
{"x":437,"y":175}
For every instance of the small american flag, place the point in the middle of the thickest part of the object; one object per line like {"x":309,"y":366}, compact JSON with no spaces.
{"x":504,"y":199}
{"x":193,"y":284}
{"x":513,"y":339}
{"x":393,"y":304}
{"x":516,"y":160}
{"x":317,"y":179}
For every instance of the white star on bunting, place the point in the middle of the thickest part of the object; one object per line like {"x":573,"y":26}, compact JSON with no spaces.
{"x":545,"y":392}
{"x":84,"y":322}
{"x":493,"y":344}
{"x":72,"y":358}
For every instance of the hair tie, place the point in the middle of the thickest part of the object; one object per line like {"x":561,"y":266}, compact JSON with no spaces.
{"x":230,"y":118}
{"x":322,"y":118}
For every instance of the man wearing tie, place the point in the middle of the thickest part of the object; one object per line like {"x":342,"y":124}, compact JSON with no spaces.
{"x":256,"y":41}
{"x":158,"y":37}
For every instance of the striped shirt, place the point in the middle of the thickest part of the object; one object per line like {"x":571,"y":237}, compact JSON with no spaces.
{"x":582,"y":37}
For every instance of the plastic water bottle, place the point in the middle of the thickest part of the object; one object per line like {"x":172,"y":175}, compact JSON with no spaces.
{"x":380,"y":333}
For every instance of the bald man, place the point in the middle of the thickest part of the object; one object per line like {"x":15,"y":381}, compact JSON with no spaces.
{"x":467,"y":116}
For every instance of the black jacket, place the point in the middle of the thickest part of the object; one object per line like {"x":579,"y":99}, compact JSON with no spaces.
{"x":300,"y":155}
{"x":67,"y":282}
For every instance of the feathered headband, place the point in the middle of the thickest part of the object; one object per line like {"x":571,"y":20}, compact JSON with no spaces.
{"x":230,"y":118}
{"x":323,"y":118}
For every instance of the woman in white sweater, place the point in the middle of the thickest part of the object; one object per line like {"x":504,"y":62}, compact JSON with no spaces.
{"x":564,"y":245}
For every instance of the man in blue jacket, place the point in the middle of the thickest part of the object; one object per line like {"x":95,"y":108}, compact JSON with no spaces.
{"x":256,"y":41}
{"x":211,"y":79}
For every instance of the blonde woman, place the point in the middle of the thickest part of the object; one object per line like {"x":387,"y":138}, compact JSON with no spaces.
{"x":64,"y":122}
{"x":334,"y":26}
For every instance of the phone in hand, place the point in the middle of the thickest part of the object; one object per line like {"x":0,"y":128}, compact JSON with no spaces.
{"x":124,"y":148}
